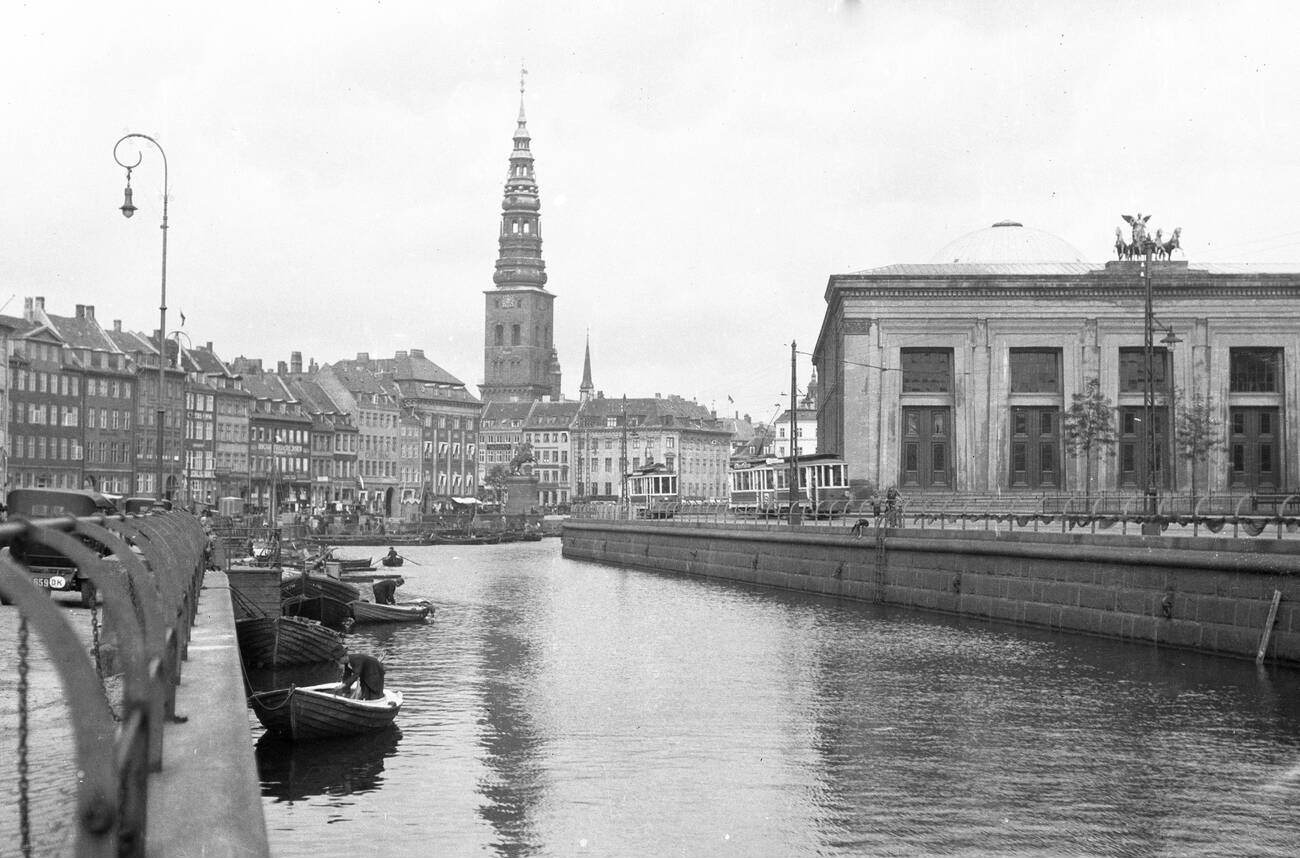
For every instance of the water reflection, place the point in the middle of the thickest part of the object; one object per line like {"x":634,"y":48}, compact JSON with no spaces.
{"x":513,"y":783}
{"x":559,"y":707}
{"x":293,"y":771}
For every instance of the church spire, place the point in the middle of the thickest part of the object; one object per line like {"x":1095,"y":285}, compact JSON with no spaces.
{"x":520,"y":361}
{"x":519,"y":255}
{"x":587,"y":389}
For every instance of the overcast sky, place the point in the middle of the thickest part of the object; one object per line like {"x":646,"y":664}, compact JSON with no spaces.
{"x":337,"y":169}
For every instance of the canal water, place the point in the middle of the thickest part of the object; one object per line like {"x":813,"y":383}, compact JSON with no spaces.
{"x":558,"y":707}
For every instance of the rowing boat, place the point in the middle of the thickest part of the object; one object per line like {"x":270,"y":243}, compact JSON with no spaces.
{"x":319,"y":711}
{"x":408,"y":612}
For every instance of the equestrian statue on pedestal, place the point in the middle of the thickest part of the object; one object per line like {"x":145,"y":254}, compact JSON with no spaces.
{"x":1142,"y":244}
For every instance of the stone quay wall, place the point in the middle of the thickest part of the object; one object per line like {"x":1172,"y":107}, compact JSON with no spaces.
{"x":1210,"y":595}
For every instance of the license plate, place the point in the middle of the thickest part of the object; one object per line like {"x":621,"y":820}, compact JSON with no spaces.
{"x":42,"y":582}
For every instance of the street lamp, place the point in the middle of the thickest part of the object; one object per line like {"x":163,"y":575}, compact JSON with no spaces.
{"x":128,"y":209}
{"x":1150,"y":527}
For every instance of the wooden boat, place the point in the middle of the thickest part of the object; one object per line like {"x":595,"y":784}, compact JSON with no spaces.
{"x":323,"y":609}
{"x":284,"y":641}
{"x":318,"y":711}
{"x":406,"y":612}
{"x":295,"y":584}
{"x":393,"y":561}
{"x":355,"y":565}
{"x":463,"y":538}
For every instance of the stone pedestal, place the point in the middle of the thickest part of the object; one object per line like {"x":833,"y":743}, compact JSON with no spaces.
{"x":521,"y":494}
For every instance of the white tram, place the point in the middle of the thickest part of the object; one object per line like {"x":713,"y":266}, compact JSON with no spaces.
{"x":652,"y":492}
{"x":762,"y":486}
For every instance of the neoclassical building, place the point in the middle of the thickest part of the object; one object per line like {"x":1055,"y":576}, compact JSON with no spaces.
{"x":953,"y":375}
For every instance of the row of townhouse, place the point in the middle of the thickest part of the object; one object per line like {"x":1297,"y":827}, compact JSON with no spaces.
{"x":85,"y":409}
{"x":581,"y":450}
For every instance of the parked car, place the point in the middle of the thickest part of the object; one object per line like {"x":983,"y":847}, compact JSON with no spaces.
{"x":49,"y":568}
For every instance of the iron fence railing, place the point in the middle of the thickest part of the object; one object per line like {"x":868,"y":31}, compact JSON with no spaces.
{"x":1238,"y":515}
{"x":149,"y":579}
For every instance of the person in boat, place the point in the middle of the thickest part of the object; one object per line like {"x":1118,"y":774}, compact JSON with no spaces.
{"x":393,"y":556}
{"x":363,"y":677}
{"x":385,"y":590}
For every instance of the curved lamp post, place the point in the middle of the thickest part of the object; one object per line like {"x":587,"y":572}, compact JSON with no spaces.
{"x":128,"y":209}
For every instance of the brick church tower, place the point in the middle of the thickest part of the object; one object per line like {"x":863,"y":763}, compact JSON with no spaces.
{"x":519,"y":357}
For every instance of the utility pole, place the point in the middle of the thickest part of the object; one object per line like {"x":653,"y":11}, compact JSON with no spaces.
{"x":622,"y":455}
{"x":1149,"y":403}
{"x":794,"y":439}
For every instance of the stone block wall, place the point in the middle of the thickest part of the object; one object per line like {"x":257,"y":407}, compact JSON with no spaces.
{"x":1212,"y":595}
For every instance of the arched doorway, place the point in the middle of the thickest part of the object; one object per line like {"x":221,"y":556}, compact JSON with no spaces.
{"x":390,"y":503}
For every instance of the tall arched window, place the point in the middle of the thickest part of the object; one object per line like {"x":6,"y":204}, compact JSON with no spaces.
{"x":514,"y":335}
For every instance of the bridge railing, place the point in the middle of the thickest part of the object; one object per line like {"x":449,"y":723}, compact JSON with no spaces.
{"x":1275,"y":515}
{"x":149,"y":578}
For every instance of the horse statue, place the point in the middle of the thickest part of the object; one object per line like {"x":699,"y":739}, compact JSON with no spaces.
{"x":1120,"y":247}
{"x":1167,"y":248}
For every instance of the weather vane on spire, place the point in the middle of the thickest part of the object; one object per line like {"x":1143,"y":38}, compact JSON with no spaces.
{"x":522,"y":71}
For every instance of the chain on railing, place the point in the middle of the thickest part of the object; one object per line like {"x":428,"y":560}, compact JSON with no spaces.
{"x":148,"y":571}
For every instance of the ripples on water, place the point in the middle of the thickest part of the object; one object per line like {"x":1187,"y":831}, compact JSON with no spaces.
{"x":556,"y":707}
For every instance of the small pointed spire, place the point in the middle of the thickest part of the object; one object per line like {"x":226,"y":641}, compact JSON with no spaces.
{"x":522,"y":71}
{"x":586,"y":388}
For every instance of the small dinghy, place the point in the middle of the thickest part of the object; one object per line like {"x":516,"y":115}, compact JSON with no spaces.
{"x":324,"y":610}
{"x":405,"y":612}
{"x":319,"y":711}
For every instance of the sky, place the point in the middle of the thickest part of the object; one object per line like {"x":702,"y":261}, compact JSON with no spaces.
{"x":336,"y":169}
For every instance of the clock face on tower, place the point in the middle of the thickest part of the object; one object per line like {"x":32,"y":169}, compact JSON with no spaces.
{"x":509,"y":301}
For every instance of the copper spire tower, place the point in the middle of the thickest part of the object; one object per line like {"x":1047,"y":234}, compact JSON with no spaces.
{"x":519,"y":358}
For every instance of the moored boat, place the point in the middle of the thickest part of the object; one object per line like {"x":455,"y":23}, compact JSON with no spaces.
{"x":325,"y":610}
{"x":393,"y":561}
{"x":295,"y":584}
{"x":407,"y":612}
{"x":284,"y":641}
{"x":319,"y":711}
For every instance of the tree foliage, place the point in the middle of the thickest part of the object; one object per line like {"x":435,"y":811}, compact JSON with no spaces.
{"x":1198,"y":431}
{"x":496,"y":480}
{"x":1089,"y":425}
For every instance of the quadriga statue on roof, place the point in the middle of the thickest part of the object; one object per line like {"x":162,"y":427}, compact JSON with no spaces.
{"x":1142,"y":243}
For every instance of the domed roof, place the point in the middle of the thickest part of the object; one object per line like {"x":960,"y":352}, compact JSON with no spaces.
{"x":1008,"y":241}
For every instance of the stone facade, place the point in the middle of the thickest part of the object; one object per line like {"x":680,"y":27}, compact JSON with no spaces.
{"x":955,"y":376}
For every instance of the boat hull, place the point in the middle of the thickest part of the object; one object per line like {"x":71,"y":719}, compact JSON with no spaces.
{"x":318,"y":585}
{"x":286,"y":641}
{"x":316,"y":712}
{"x":369,"y":612}
{"x":323,"y":609}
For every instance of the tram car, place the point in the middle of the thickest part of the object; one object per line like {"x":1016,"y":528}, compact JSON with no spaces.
{"x":653,"y":492}
{"x":762,"y":486}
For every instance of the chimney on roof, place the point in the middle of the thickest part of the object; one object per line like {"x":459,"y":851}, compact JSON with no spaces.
{"x":656,"y":395}
{"x":29,"y":308}
{"x":417,"y":353}
{"x":90,"y":312}
{"x":117,"y":326}
{"x":81,"y":311}
{"x":295,"y":362}
{"x":208,"y":345}
{"x":312,"y":367}
{"x":280,"y":367}
{"x":398,"y":355}
{"x":363,"y":357}
{"x":40,"y":303}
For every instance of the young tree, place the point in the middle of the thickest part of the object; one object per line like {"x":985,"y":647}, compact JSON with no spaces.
{"x":1089,"y":426}
{"x":496,"y":480}
{"x":1197,"y":432}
